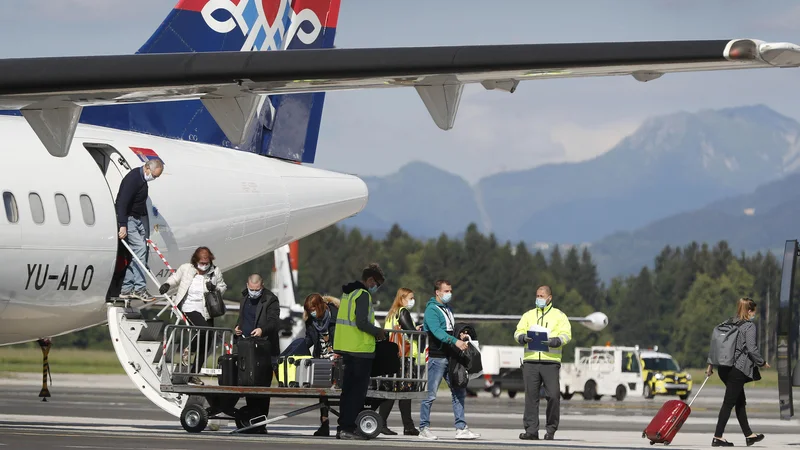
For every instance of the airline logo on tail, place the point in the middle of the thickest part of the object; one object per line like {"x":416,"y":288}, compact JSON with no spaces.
{"x":265,"y":24}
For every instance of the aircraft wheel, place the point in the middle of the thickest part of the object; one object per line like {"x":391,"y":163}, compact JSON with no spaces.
{"x":369,"y":423}
{"x":194,"y":418}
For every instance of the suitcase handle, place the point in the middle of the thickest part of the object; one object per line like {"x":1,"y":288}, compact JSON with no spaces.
{"x":698,"y":391}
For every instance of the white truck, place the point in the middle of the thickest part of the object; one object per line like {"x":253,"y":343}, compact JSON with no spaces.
{"x":501,"y":370}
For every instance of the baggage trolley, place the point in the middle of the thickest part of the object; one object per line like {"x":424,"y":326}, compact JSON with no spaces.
{"x":182,"y":343}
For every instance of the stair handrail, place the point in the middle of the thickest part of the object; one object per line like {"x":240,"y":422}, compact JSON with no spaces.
{"x":178,"y":312}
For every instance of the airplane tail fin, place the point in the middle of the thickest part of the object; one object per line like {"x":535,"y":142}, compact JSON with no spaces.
{"x":287,"y":125}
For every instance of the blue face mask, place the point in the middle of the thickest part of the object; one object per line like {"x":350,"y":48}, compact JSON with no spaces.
{"x":446,"y":297}
{"x":541,"y":303}
{"x":374,"y":289}
{"x":314,"y":314}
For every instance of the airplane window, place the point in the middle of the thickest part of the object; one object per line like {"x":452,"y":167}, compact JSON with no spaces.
{"x":62,"y":209}
{"x":37,"y":209}
{"x":12,"y":214}
{"x":87,"y":209}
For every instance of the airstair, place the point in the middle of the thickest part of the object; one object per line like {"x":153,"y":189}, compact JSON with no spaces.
{"x":139,"y":343}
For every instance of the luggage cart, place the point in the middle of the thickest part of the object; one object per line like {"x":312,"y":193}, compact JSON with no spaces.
{"x":207,"y":402}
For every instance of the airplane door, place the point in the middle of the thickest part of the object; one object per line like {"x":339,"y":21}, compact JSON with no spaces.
{"x":111,"y":163}
{"x":114,"y":168}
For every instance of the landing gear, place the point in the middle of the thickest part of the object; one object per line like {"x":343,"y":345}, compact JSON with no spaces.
{"x":45,"y":345}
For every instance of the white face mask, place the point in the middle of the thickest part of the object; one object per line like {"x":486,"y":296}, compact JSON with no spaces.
{"x":203,"y":267}
{"x":149,"y":177}
{"x":411,"y":303}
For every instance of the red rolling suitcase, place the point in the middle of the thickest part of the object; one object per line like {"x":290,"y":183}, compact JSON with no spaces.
{"x":669,"y":420}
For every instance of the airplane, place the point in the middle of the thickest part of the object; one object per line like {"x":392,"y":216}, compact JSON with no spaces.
{"x":229,"y":95}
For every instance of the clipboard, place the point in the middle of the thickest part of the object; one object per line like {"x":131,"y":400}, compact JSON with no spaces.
{"x":539,"y":341}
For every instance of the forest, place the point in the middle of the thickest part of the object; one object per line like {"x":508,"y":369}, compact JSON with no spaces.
{"x":673,"y":305}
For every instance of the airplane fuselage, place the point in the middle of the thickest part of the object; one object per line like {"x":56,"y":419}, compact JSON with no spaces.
{"x":58,"y":231}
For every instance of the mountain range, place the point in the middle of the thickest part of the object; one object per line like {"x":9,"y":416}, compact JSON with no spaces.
{"x":677,"y":178}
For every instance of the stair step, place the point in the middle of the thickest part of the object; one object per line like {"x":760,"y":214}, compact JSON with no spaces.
{"x":153,"y":331}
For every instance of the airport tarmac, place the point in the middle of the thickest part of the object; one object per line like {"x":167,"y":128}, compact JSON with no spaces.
{"x":97,"y":412}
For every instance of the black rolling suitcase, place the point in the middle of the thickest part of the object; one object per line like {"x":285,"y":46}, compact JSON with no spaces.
{"x":227,"y":364}
{"x":254,"y":362}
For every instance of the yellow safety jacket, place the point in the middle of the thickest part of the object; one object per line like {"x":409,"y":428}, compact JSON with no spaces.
{"x":557,"y":325}
{"x":394,"y":322}
{"x":349,"y":338}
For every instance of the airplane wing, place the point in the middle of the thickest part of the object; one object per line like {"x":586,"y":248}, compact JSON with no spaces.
{"x":50,"y":92}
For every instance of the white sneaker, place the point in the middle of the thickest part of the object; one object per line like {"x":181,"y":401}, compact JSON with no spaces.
{"x":425,"y":433}
{"x":466,"y":433}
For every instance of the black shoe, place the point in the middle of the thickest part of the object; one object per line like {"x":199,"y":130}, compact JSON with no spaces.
{"x":750,"y":441}
{"x":324,"y":429}
{"x":720,"y":443}
{"x":529,"y":437}
{"x":351,"y":436}
{"x":411,"y":431}
{"x":549,"y":437}
{"x":388,"y":432}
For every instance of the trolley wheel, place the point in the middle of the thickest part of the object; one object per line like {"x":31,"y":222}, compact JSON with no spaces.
{"x":512,"y":394}
{"x":652,"y":442}
{"x":194,"y":418}
{"x":369,"y":423}
{"x":496,"y":391}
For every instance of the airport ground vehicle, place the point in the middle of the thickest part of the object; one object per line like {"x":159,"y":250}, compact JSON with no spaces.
{"x":619,"y":371}
{"x":501,"y":370}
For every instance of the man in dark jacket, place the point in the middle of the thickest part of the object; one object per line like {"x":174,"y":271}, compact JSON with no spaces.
{"x":260,"y":316}
{"x":134,"y":224}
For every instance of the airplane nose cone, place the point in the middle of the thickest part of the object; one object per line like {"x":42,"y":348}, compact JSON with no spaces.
{"x":319,"y":198}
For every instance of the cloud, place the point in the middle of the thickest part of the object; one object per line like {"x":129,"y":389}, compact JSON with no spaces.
{"x":582,"y":143}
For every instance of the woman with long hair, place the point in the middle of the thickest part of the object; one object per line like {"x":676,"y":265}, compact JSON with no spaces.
{"x":399,"y":316}
{"x":319,"y":313}
{"x":747,"y":360}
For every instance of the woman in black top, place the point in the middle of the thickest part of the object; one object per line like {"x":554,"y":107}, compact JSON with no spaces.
{"x":320,"y":316}
{"x":744,"y":370}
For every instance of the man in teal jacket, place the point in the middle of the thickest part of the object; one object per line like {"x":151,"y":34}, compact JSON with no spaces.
{"x":439,"y":323}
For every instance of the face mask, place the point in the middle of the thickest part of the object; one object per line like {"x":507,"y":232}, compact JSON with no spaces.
{"x":314,"y":314}
{"x":411,"y":303}
{"x":203,"y":267}
{"x":541,"y":303}
{"x":253,"y":293}
{"x":374,"y":289}
{"x":149,"y":177}
{"x":446,"y":297}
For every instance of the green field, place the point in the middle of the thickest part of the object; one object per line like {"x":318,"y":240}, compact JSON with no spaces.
{"x":62,"y":360}
{"x":769,"y":379}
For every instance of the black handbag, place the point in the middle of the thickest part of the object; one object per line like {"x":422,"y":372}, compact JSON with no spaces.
{"x":214,"y":304}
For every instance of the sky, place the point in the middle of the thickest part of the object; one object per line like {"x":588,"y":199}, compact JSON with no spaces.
{"x":376,"y":132}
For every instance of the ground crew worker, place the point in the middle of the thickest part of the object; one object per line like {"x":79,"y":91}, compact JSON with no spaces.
{"x":542,"y":368}
{"x":355,"y":342}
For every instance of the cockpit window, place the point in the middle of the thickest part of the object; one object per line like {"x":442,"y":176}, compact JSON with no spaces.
{"x":12,"y":213}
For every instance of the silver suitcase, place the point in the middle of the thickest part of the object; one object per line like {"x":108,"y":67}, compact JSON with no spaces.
{"x":315,"y":373}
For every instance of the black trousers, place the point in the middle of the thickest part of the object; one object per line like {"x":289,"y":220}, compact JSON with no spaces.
{"x":197,"y":319}
{"x":405,"y":412}
{"x":355,"y":383}
{"x":535,"y":375}
{"x":734,"y":381}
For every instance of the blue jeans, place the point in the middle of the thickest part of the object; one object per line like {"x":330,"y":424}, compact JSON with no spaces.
{"x":138,"y":233}
{"x":437,"y":369}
